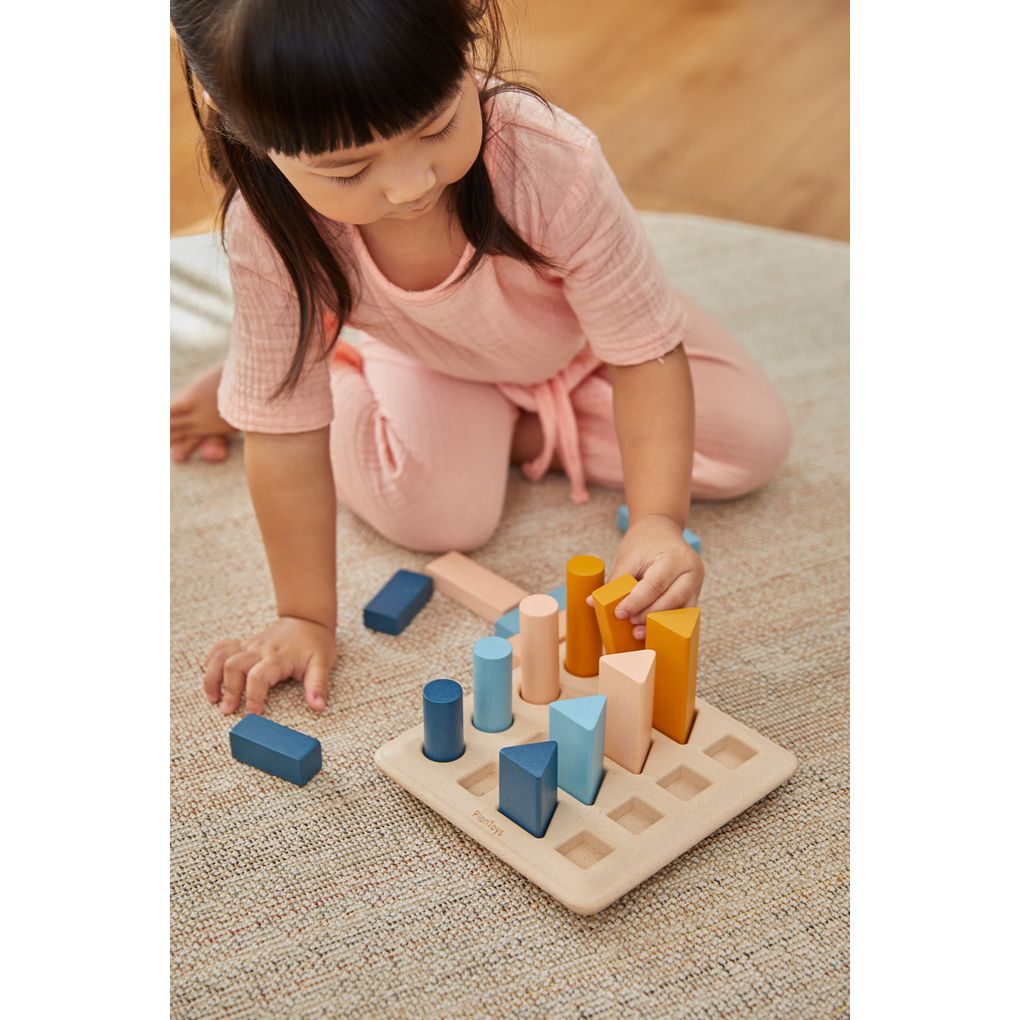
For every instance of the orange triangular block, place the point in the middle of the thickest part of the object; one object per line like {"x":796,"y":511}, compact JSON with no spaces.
{"x":617,"y":635}
{"x":627,"y":680}
{"x":673,"y":635}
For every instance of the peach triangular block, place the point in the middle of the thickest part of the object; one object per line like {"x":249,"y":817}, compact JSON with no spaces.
{"x":627,"y":679}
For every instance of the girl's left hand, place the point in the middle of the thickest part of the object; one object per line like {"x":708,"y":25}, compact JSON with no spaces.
{"x":669,"y":572}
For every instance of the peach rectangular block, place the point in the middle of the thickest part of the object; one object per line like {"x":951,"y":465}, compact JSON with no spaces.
{"x":584,"y":643}
{"x":673,"y":635}
{"x":628,"y":682}
{"x":475,"y":587}
{"x":617,"y":635}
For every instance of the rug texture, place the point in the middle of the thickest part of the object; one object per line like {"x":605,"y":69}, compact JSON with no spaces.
{"x":349,"y":898}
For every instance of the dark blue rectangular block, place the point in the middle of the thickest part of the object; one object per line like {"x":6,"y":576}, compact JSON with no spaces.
{"x":276,"y":749}
{"x":398,"y":602}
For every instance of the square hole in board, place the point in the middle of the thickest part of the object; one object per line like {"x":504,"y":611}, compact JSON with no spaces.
{"x":584,"y":849}
{"x":730,"y":752}
{"x":481,"y":781}
{"x":635,"y":815}
{"x":684,"y":783}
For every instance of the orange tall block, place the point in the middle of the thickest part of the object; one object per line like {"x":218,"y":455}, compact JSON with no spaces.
{"x":673,"y":636}
{"x":540,"y":649}
{"x":584,"y":643}
{"x":628,"y":682}
{"x":617,"y":635}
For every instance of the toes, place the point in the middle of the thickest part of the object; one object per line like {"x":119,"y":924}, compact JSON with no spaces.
{"x":213,"y":449}
{"x":182,"y":450}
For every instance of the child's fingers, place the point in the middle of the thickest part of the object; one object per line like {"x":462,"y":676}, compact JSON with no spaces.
{"x":182,"y":450}
{"x":235,"y":669}
{"x":213,"y":677}
{"x":221,"y":646}
{"x":651,"y":587}
{"x":265,"y":674}
{"x":316,"y":683}
{"x":676,"y":596}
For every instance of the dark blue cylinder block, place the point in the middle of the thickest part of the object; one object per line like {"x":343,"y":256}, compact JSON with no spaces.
{"x":443,"y":708}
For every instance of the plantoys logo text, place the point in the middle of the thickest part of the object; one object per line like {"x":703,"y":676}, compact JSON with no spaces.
{"x":495,"y":829}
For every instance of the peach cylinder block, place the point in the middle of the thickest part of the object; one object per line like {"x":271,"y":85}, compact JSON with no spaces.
{"x":540,"y":649}
{"x":515,"y":641}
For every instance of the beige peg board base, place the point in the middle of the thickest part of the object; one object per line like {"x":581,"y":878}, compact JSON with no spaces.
{"x":591,"y":855}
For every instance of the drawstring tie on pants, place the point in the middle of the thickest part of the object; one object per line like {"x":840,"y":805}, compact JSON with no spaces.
{"x":550,"y":400}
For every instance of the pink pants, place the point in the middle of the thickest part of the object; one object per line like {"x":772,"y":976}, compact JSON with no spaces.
{"x":423,"y":457}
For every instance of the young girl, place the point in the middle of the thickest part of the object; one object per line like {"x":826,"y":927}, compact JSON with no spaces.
{"x":512,"y":309}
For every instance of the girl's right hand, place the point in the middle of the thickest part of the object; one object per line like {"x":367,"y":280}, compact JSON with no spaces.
{"x":290,"y":647}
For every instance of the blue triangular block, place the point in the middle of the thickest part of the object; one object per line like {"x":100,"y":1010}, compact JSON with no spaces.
{"x":534,"y":758}
{"x":527,"y":785}
{"x":586,"y":712}
{"x":578,"y":725}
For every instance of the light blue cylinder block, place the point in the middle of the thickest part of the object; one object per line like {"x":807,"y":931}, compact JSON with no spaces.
{"x":493,"y":658}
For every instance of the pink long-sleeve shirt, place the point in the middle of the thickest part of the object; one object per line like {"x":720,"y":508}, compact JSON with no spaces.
{"x":535,"y":333}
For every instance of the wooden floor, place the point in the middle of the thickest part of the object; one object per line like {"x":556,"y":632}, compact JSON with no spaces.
{"x":732,"y":108}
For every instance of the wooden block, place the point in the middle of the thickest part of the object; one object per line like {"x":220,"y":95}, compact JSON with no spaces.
{"x":578,"y":725}
{"x":673,"y":635}
{"x":527,"y":785}
{"x":443,"y":709}
{"x":540,"y":649}
{"x":398,"y":602}
{"x":515,"y":641}
{"x":474,"y":586}
{"x":591,"y":855}
{"x":617,"y":635}
{"x":491,"y":685}
{"x":509,"y":624}
{"x":276,"y":749}
{"x":585,"y":574}
{"x":628,"y":682}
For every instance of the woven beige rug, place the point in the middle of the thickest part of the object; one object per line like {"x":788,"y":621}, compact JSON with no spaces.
{"x":349,"y":898}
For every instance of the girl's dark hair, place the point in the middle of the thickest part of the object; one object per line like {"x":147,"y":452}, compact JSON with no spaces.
{"x":308,"y":76}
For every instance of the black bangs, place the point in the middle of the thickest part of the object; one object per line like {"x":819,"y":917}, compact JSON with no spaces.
{"x":315,"y":76}
{"x":311,"y":77}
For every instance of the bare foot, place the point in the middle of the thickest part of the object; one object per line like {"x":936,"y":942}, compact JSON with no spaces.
{"x":195,"y":423}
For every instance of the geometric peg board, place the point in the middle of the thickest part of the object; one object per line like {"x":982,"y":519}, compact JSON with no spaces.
{"x":591,"y":855}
